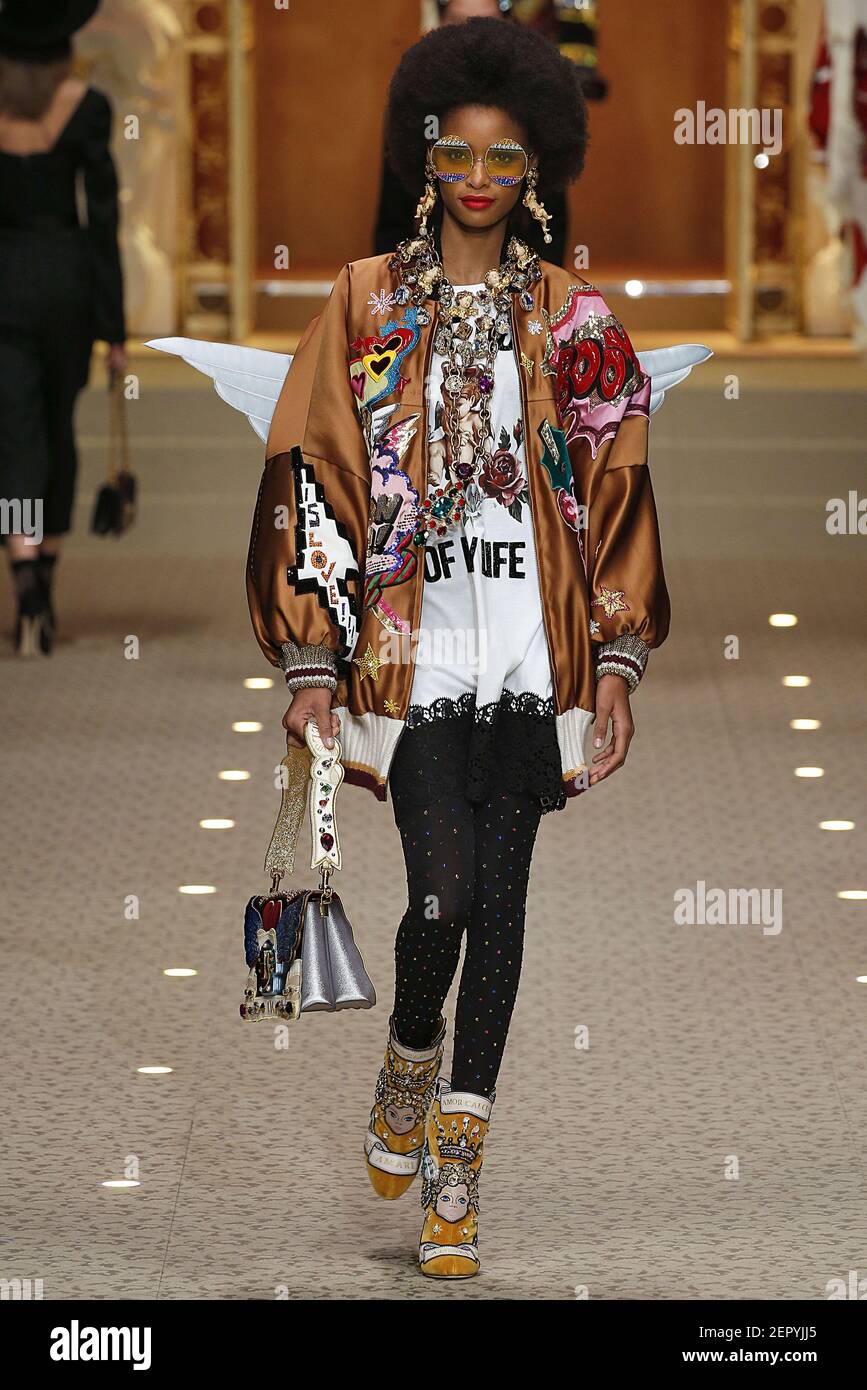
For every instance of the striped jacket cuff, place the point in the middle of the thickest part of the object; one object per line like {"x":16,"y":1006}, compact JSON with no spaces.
{"x":313,"y":665}
{"x":626,"y":656}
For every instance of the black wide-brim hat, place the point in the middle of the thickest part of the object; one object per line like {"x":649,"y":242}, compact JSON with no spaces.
{"x":38,"y":30}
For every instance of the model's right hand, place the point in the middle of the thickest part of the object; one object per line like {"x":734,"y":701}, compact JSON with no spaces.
{"x":312,"y":703}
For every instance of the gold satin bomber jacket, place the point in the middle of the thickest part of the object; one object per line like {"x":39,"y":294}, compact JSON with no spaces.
{"x":334,"y":582}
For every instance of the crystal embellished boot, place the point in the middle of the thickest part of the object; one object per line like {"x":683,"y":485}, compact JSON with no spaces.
{"x":453,"y":1151}
{"x":404,"y":1091}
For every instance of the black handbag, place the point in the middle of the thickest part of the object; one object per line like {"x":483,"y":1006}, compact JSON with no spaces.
{"x":299,"y":947}
{"x":115,"y":505}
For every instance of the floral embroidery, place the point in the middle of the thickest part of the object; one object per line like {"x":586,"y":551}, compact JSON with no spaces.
{"x":381,"y":301}
{"x":611,"y":600}
{"x":391,"y":556}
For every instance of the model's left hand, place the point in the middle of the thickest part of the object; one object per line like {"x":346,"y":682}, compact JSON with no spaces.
{"x":612,"y":702}
{"x":117,"y":359}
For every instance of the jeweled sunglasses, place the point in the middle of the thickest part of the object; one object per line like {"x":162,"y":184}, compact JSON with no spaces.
{"x":453,"y":159}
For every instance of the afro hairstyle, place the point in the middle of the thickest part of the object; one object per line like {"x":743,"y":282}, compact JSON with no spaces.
{"x":488,"y":62}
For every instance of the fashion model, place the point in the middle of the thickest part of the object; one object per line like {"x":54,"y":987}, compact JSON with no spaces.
{"x":61,"y":286}
{"x":455,"y":561}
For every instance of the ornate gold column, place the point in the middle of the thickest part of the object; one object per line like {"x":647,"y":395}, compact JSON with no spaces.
{"x":765,"y":201}
{"x":214,"y":266}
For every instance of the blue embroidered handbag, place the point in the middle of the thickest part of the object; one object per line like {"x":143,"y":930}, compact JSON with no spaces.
{"x":299,"y":947}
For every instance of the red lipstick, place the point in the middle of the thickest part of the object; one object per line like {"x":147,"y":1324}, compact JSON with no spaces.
{"x":477,"y":202}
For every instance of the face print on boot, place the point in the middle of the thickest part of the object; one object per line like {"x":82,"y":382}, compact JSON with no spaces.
{"x":401,"y":1118}
{"x":395,"y":1136}
{"x":452,"y":1201}
{"x":452,"y":1192}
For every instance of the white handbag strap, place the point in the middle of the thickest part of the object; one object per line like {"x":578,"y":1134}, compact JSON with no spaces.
{"x":312,"y":775}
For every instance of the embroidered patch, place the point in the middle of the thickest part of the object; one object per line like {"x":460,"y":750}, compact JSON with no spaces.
{"x":369,"y":664}
{"x":391,"y":556}
{"x":380,"y":302}
{"x":596,"y":369}
{"x":391,"y":707}
{"x":558,"y":465}
{"x":555,"y":456}
{"x":325,"y":562}
{"x":534,"y":326}
{"x":594,"y":627}
{"x":527,"y":363}
{"x":611,"y":601}
{"x":375,"y":359}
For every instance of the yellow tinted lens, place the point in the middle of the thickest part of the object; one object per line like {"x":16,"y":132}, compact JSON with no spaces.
{"x":452,"y":159}
{"x":506,"y":162}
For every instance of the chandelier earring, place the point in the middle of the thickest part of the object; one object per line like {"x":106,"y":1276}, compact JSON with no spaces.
{"x":533,"y":205}
{"x":428,"y":199}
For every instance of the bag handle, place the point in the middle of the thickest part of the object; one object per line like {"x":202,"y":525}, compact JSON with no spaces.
{"x":312,"y":775}
{"x":118,"y":441}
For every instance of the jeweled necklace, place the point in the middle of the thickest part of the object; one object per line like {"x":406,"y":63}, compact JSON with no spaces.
{"x":466,"y":356}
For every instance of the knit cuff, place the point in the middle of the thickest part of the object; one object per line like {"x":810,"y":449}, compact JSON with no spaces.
{"x":308,"y":666}
{"x":626,"y":656}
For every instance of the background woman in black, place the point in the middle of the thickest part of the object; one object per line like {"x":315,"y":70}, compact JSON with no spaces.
{"x":60,"y":286}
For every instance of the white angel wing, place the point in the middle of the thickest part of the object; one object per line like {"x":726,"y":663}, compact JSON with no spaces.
{"x":247,"y":378}
{"x":668,"y":366}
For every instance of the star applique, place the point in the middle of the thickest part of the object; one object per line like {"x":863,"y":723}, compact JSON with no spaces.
{"x":380,"y":302}
{"x":436,"y":1230}
{"x":534,"y":326}
{"x":391,"y":707}
{"x":369,"y":664}
{"x":527,"y":363}
{"x":594,"y":627}
{"x":611,"y":600}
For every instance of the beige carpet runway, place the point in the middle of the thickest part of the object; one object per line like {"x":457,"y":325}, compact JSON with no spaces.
{"x":681,"y":1111}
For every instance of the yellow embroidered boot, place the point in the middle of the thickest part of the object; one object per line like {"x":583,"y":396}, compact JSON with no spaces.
{"x":453,"y":1151}
{"x":404,"y":1091}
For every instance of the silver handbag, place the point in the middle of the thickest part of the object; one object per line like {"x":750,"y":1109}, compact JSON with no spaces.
{"x":299,"y":947}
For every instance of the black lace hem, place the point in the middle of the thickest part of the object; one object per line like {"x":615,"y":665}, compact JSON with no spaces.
{"x":454,"y":747}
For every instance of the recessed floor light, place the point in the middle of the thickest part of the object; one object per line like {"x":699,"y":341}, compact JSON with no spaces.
{"x":194,"y":888}
{"x":246,"y":726}
{"x":214,"y":824}
{"x":805,"y":723}
{"x":836,"y":825}
{"x":233,"y":775}
{"x":258,"y":683}
{"x":796,"y":680}
{"x":809,"y":772}
{"x":782,"y":620}
{"x":154,"y":1071}
{"x":853,"y":895}
{"x":861,"y":979}
{"x":121,"y":1182}
{"x":180,"y":972}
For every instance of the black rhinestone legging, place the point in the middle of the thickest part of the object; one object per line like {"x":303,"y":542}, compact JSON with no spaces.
{"x":467,"y":868}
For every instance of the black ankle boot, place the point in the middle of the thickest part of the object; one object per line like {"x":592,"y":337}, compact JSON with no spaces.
{"x":30,"y":621}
